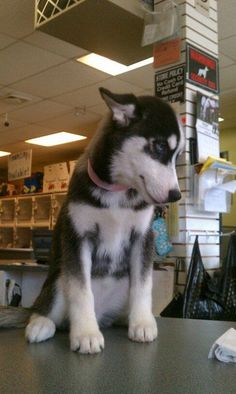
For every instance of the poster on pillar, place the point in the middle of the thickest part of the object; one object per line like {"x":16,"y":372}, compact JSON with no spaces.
{"x":169,"y":84}
{"x":207,"y":127}
{"x":202,"y":69}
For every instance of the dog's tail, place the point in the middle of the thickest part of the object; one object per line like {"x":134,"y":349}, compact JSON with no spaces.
{"x":14,"y":317}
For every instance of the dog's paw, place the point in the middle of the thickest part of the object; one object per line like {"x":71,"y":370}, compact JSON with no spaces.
{"x":143,"y":330}
{"x":87,"y":343}
{"x":40,"y":329}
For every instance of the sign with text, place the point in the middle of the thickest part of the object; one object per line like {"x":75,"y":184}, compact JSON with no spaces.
{"x":202,"y":69}
{"x":19,"y":165}
{"x":169,"y":84}
{"x":167,"y":52}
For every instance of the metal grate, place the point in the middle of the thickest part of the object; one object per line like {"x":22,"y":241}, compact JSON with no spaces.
{"x":48,"y":9}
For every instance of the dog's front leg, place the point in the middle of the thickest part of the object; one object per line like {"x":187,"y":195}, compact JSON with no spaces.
{"x":142,"y":324}
{"x":85,"y":335}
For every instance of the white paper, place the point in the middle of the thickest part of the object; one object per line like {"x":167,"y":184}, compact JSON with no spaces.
{"x":228,"y":186}
{"x":207,"y":146}
{"x":216,"y":200}
{"x":207,"y":127}
{"x":19,"y":165}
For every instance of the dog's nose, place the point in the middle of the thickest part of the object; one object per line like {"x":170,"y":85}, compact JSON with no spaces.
{"x":174,"y":195}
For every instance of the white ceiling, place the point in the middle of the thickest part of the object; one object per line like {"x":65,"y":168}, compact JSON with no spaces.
{"x":63,"y":94}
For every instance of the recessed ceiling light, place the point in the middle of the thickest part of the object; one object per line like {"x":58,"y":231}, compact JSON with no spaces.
{"x":2,"y":153}
{"x":56,"y":139}
{"x":220,"y":119}
{"x":110,"y":66}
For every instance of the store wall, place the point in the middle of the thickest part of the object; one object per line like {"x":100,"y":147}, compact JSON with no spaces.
{"x":228,"y":143}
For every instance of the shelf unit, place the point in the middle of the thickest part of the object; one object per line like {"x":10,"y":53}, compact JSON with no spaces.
{"x":20,"y":214}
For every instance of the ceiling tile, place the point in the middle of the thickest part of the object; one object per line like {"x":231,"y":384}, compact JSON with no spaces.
{"x":19,"y":134}
{"x":71,"y":121}
{"x":21,"y":60}
{"x":228,"y":47}
{"x":55,"y":45}
{"x":142,"y":77}
{"x":5,"y":40}
{"x":224,"y":61}
{"x":90,"y":96}
{"x":227,"y":79}
{"x":43,"y":110}
{"x":17,"y":17}
{"x":12,"y":125}
{"x":8,"y":106}
{"x":100,"y":109}
{"x":63,"y":78}
{"x":226,"y":18}
{"x":227,"y":97}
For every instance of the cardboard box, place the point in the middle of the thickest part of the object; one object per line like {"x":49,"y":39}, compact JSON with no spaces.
{"x":72,"y":164}
{"x":56,"y":178}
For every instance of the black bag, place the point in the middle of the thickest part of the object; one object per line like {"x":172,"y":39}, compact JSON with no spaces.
{"x":205,"y":297}
{"x":228,"y":281}
{"x":201,"y":296}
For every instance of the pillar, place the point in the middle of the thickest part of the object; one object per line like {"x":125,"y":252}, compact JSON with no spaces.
{"x":198,"y":28}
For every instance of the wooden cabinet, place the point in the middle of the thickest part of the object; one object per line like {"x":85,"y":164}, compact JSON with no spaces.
{"x":20,"y":214}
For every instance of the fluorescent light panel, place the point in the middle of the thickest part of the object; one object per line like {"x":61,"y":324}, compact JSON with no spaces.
{"x":110,"y":66}
{"x":56,"y":139}
{"x":3,"y":153}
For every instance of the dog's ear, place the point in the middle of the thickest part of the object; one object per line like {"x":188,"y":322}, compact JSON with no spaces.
{"x":124,"y":107}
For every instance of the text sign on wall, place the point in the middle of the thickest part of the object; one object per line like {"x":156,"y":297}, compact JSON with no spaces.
{"x":169,"y":84}
{"x":19,"y":165}
{"x":202,"y":69}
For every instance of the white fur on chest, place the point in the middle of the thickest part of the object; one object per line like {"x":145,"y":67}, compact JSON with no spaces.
{"x":110,"y":297}
{"x":115,"y":225}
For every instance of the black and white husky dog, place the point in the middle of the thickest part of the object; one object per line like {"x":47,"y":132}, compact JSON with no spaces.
{"x":101,"y":268}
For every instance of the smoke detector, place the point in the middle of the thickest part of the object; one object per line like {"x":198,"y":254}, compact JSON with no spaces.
{"x":16,"y":99}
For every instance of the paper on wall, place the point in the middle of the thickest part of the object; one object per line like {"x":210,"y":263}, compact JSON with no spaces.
{"x":228,"y":186}
{"x":207,"y":126}
{"x":217,"y":200}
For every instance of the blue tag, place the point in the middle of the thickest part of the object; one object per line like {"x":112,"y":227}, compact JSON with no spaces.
{"x":162,"y":243}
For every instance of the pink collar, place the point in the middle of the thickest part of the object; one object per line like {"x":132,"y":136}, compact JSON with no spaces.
{"x":104,"y":185}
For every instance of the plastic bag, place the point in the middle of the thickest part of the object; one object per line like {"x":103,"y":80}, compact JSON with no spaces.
{"x":162,"y":24}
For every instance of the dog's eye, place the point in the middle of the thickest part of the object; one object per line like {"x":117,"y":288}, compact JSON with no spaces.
{"x":160,"y":147}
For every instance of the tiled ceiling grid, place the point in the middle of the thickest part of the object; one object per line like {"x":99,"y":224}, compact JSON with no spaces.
{"x":63,"y":94}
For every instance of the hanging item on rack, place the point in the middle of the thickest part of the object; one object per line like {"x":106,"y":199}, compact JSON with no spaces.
{"x":163,"y":245}
{"x":162,"y":24}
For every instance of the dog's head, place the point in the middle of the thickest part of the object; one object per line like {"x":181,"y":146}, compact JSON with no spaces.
{"x":146,"y":138}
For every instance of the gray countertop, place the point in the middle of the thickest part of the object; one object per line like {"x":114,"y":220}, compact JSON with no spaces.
{"x":175,"y":363}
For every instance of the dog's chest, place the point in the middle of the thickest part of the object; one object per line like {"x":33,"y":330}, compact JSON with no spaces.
{"x":114,"y":231}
